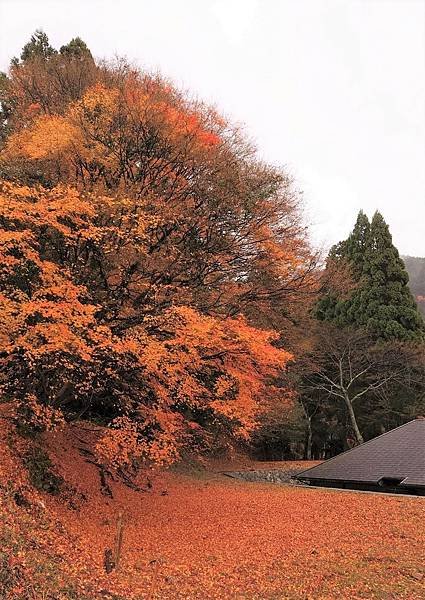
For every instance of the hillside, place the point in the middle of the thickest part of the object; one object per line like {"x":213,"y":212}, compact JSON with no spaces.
{"x":416,"y":268}
{"x":196,"y":534}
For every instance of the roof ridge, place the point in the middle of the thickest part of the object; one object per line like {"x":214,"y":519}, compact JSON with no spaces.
{"x":359,"y":446}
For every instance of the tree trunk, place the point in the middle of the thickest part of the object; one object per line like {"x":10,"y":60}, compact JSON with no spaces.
{"x":118,"y":540}
{"x":307,"y":452}
{"x":353,"y":420}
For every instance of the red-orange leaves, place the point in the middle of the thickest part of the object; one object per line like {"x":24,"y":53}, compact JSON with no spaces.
{"x":185,"y":213}
{"x":125,"y":443}
{"x":61,"y":209}
{"x":194,"y":367}
{"x":38,"y":416}
{"x":125,"y":278}
{"x":98,"y":132}
{"x":172,"y":378}
{"x":219,"y":370}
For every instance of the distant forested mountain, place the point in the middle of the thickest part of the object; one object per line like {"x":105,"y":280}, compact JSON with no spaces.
{"x":415,"y":266}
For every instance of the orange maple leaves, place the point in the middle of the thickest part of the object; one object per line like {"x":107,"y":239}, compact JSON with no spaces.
{"x":217,"y":371}
{"x":125,"y":279}
{"x":156,"y":378}
{"x":88,"y":138}
{"x":179,"y":538}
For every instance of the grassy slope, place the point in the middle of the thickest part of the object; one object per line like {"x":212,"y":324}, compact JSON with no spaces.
{"x":200,"y":535}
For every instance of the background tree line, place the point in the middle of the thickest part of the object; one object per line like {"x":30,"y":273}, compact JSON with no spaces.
{"x":363,"y":373}
{"x":415,"y":267}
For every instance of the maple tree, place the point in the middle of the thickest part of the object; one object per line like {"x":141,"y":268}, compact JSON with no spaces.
{"x":171,"y":381}
{"x":144,"y":246}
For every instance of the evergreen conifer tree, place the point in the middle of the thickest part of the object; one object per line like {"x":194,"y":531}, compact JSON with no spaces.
{"x":385,"y":305}
{"x":76,"y":48}
{"x":38,"y":46}
{"x":381,"y":303}
{"x":357,"y":244}
{"x":352,"y":251}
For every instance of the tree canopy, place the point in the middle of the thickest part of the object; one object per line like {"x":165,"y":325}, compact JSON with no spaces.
{"x":143,"y":242}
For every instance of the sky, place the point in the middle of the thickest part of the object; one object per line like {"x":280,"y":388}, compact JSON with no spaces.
{"x":331,"y":90}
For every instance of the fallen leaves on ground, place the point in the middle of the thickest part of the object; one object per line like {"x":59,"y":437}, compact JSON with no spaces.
{"x":202,"y":536}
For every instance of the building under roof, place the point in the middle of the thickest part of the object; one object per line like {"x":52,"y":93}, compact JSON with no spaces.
{"x":391,"y":462}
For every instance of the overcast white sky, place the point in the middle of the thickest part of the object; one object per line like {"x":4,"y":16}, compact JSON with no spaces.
{"x":334,"y":90}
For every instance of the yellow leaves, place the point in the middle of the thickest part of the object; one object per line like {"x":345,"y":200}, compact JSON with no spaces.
{"x":68,"y":136}
{"x":97,"y":108}
{"x":48,"y":136}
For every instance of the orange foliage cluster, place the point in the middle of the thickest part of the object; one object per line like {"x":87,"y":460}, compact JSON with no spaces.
{"x":178,"y":379}
{"x":87,"y":137}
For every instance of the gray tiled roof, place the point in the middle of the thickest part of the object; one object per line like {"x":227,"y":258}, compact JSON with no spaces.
{"x":398,"y":454}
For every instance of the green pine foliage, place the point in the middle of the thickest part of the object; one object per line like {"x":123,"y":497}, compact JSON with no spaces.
{"x":381,"y":301}
{"x":38,"y":46}
{"x":76,"y":48}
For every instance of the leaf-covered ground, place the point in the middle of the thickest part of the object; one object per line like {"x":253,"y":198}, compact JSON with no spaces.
{"x":199,"y":535}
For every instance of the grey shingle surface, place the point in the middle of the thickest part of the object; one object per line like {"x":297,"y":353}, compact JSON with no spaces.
{"x":398,"y":454}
